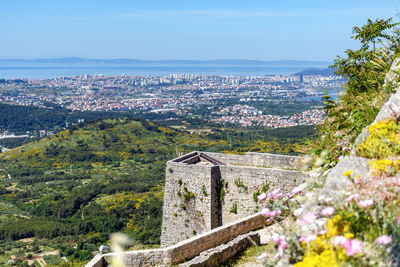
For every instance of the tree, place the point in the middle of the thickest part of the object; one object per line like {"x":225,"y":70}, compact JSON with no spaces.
{"x":358,"y":67}
{"x":365,"y":93}
{"x":373,"y":31}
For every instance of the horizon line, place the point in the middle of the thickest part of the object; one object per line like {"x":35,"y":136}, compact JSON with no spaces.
{"x":171,"y":59}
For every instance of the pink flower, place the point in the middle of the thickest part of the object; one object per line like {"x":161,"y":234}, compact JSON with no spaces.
{"x":275,"y":213}
{"x":277,"y":238}
{"x":281,"y":240}
{"x":327,"y":211}
{"x":309,"y":217}
{"x":383,"y":240}
{"x":265,"y":212}
{"x":282,"y":245}
{"x":261,"y":197}
{"x":272,"y":214}
{"x":278,"y":255}
{"x":352,"y":197}
{"x":298,"y":212}
{"x":352,"y":246}
{"x":339,"y":240}
{"x":308,"y":239}
{"x":365,"y":203}
{"x":276,"y":194}
{"x":322,"y":232}
{"x":289,"y":195}
{"x":296,"y":190}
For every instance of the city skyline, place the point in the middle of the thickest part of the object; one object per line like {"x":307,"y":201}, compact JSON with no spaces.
{"x":161,"y":30}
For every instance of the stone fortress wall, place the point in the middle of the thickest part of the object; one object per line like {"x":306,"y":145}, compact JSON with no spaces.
{"x":199,"y":225}
{"x":206,"y":190}
{"x":217,"y":245}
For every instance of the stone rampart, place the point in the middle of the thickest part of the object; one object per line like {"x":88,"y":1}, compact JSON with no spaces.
{"x":205,"y":190}
{"x":241,"y":182}
{"x":189,"y":207}
{"x":265,"y":160}
{"x":187,"y":249}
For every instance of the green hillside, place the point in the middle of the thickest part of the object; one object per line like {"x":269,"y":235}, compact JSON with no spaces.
{"x":71,"y":190}
{"x":20,"y":119}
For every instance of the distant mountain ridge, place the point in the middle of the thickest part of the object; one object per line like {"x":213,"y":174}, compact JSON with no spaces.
{"x":313,"y":71}
{"x":78,"y":60}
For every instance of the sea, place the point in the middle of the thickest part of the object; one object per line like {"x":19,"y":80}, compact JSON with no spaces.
{"x":51,"y":70}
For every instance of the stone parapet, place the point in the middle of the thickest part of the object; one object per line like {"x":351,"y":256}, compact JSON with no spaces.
{"x":224,"y":252}
{"x":264,"y":160}
{"x":187,"y":249}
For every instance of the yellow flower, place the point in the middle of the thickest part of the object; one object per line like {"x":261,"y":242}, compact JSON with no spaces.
{"x":348,"y":173}
{"x":321,"y":252}
{"x":382,"y":167}
{"x":382,"y":142}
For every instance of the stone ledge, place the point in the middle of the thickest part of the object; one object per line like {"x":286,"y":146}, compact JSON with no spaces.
{"x":222,"y":253}
{"x":187,"y":249}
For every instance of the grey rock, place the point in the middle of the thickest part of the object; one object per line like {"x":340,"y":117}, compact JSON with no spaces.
{"x":336,"y":181}
{"x":391,"y":107}
{"x":392,"y":76}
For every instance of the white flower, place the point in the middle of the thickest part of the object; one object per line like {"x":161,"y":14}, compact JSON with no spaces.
{"x":365,"y":203}
{"x":339,"y":240}
{"x":298,"y":212}
{"x":309,"y":217}
{"x":308,"y":239}
{"x":327,"y":211}
{"x":262,"y":197}
{"x":262,"y":256}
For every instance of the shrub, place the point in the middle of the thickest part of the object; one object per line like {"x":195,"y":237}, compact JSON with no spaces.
{"x":364,"y":70}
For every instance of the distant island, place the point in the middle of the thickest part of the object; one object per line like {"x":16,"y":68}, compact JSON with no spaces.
{"x":312,"y":71}
{"x":78,"y":60}
{"x":45,"y":68}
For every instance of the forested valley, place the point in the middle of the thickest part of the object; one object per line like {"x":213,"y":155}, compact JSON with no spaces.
{"x":67,"y":192}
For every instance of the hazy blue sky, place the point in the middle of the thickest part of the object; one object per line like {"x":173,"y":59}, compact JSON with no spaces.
{"x":189,"y":29}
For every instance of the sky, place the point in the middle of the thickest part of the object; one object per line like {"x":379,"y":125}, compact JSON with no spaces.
{"x":190,"y":29}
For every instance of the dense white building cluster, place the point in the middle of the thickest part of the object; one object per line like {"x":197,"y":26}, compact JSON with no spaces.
{"x":255,"y":118}
{"x":182,"y":94}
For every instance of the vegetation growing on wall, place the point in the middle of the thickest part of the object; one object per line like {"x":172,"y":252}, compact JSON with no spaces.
{"x":234,"y":208}
{"x":264,"y":189}
{"x":220,"y":190}
{"x":204,"y":191}
{"x":188,"y":195}
{"x":242,"y":187}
